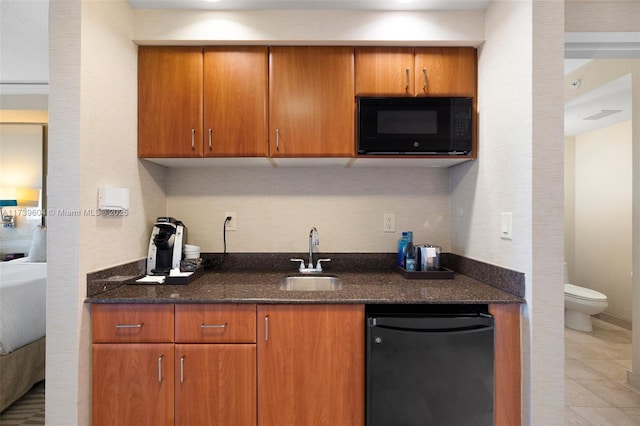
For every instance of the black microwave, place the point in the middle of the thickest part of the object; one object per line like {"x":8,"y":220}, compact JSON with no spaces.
{"x":420,"y":125}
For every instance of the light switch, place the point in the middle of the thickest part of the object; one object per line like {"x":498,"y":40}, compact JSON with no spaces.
{"x":506,"y":227}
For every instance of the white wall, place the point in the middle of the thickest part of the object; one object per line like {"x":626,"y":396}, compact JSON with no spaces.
{"x":92,"y":142}
{"x":334,"y":27}
{"x":276,"y":207}
{"x":602,"y":16}
{"x":520,"y":171}
{"x":569,"y":202}
{"x":603,"y":173}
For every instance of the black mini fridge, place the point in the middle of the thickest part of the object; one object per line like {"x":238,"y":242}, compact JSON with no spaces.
{"x":429,"y":365}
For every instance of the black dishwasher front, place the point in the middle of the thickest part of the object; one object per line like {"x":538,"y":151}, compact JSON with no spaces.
{"x":429,"y":365}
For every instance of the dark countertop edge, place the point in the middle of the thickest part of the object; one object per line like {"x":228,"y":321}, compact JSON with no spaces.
{"x":272,"y":301}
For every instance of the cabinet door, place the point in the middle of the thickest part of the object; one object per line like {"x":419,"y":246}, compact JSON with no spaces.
{"x":170,"y":102}
{"x":132,"y":384}
{"x":445,"y":71}
{"x":508,"y":403}
{"x":311,"y":103}
{"x":235,"y":101}
{"x":215,"y":384}
{"x":310,"y":365}
{"x":384,"y":71}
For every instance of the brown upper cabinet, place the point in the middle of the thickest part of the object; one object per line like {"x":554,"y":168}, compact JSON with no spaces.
{"x":195,"y":102}
{"x":235,"y":101}
{"x":311,"y":103}
{"x":280,"y":101}
{"x":420,"y":71}
{"x":170,"y":102}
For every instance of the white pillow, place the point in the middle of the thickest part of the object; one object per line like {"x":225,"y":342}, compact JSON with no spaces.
{"x":38,"y":250}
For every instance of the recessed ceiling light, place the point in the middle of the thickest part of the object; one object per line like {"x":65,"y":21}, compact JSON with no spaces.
{"x":404,"y":1}
{"x":211,"y":1}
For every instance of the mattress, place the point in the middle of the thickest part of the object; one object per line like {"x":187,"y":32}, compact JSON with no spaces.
{"x":22,"y":303}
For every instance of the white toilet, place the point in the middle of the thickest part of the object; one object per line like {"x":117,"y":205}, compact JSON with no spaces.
{"x":580,"y":303}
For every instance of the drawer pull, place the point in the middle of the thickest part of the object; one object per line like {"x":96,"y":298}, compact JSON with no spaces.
{"x":266,"y":328}
{"x":224,"y":325}
{"x":130,"y":325}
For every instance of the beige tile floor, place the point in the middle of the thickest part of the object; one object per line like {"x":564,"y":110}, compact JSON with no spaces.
{"x":596,"y":390}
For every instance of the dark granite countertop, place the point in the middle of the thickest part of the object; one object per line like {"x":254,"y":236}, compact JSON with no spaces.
{"x":246,"y":280}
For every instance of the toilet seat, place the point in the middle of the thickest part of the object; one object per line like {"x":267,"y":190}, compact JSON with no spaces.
{"x":583,"y":293}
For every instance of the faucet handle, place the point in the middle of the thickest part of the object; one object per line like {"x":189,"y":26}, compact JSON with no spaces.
{"x":301,"y":263}
{"x":319,"y":266}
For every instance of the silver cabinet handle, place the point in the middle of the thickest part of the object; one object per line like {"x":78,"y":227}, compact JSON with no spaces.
{"x":182,"y":370}
{"x":210,"y":139}
{"x":193,"y":139}
{"x":266,"y":328}
{"x":160,"y":368}
{"x":277,"y":140}
{"x":424,"y":72}
{"x":224,"y":325}
{"x":407,"y":75}
{"x":130,"y":325}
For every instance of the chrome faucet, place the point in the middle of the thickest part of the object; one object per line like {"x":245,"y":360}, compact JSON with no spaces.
{"x":314,"y":230}
{"x":310,"y":268}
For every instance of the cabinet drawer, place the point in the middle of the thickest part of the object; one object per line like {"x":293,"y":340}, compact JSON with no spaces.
{"x":215,"y":323}
{"x":132,"y":323}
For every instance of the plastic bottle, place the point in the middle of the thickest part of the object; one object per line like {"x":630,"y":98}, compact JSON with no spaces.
{"x":407,"y":237}
{"x":410,"y":258}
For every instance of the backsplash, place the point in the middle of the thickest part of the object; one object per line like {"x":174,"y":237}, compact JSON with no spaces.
{"x":276,"y":207}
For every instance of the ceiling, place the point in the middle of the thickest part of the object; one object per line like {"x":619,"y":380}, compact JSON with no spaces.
{"x":606,"y":105}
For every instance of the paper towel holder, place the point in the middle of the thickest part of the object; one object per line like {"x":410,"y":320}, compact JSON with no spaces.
{"x":113,"y":199}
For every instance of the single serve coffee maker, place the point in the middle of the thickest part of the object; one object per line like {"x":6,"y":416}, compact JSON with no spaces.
{"x":168,"y":238}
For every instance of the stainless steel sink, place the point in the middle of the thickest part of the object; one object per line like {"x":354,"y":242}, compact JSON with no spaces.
{"x":311,"y":283}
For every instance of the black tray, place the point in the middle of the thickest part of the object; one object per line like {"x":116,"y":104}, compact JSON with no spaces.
{"x":184,"y":280}
{"x":436,"y":274}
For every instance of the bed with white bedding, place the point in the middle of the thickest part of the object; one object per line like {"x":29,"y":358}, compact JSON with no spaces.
{"x":22,"y":327}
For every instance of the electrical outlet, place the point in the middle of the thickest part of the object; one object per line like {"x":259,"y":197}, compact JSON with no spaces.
{"x":389,"y":224}
{"x":232,"y":225}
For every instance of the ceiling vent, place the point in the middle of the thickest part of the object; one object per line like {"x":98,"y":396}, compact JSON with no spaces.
{"x":602,"y":114}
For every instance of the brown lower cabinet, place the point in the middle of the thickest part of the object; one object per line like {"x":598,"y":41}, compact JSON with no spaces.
{"x":203,"y":373}
{"x":311,"y":365}
{"x":226,"y":364}
{"x":215,"y":384}
{"x":132,"y":384}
